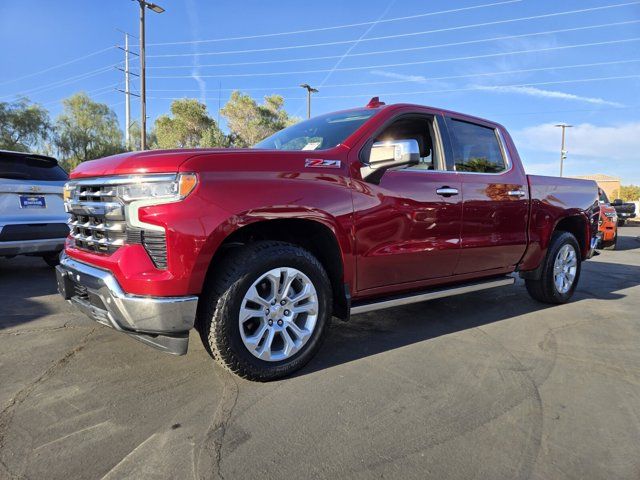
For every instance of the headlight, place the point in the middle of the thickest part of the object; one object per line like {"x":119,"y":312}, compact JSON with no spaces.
{"x":157,"y":188}
{"x":610,"y":215}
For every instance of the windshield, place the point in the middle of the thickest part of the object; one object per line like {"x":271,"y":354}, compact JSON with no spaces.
{"x":318,"y":133}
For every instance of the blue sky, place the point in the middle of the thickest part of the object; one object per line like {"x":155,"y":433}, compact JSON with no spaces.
{"x":527,"y":64}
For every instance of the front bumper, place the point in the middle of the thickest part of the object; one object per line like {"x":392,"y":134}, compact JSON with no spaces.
{"x":162,"y":322}
{"x":22,"y":247}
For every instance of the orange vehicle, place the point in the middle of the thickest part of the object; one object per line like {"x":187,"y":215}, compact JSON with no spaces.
{"x":608,"y":224}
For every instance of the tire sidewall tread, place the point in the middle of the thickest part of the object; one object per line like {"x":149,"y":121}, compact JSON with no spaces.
{"x":217,"y":320}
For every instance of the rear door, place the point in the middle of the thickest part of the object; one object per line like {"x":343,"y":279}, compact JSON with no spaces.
{"x":30,"y":191}
{"x":495,"y":197}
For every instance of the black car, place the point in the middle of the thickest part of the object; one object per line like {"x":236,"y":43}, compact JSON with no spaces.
{"x":624,"y":210}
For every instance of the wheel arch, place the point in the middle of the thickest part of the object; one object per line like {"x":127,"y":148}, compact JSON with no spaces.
{"x":320,"y":237}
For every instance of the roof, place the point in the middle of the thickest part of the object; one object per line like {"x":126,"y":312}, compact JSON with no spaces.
{"x":599,"y":177}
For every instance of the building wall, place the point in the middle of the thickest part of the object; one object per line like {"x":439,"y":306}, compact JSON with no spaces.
{"x":611,"y":188}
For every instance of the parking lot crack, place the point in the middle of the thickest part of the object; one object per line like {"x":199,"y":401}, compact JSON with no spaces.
{"x":6,"y":415}
{"x":209,"y":458}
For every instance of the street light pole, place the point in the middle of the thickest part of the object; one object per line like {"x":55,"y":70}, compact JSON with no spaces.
{"x":143,"y":79}
{"x":143,"y":84}
{"x":309,"y":90}
{"x":563,"y":152}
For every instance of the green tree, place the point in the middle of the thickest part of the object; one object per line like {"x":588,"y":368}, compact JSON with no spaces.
{"x":24,"y":126}
{"x":136,"y":145}
{"x":630,"y":193}
{"x":189,"y":126}
{"x":86,"y":130}
{"x":250,"y":123}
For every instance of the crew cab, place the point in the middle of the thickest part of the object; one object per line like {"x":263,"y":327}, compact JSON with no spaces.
{"x":345,"y":213}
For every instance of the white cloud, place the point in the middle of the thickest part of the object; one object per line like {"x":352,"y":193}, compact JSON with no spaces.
{"x":538,"y":92}
{"x":400,"y":76}
{"x":612,"y":150}
{"x":604,"y":143}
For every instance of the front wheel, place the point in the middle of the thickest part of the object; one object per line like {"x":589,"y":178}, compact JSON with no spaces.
{"x":560,"y":271}
{"x":264,"y":312}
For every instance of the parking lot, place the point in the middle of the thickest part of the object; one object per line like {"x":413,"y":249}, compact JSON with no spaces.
{"x":486,"y":385}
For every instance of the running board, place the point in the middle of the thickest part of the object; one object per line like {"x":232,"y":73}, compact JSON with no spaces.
{"x":389,"y":302}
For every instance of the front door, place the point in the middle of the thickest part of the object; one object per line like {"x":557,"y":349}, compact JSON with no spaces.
{"x":408,"y":220}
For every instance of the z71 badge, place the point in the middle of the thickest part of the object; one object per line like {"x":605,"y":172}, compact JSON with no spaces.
{"x":320,"y":162}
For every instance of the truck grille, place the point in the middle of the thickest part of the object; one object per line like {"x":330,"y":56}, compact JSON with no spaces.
{"x":98,"y":222}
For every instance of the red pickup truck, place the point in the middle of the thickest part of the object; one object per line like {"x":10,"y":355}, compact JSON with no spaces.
{"x":345,"y":213}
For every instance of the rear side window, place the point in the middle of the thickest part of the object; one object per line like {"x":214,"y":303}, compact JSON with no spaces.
{"x":476,"y":148}
{"x":19,"y":167}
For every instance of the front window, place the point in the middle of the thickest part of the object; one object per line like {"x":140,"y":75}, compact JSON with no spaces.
{"x":318,"y":133}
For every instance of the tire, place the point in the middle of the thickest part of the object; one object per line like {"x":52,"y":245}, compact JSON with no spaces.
{"x":611,"y":245}
{"x":621,"y":223}
{"x":229,"y":289}
{"x":52,"y":259}
{"x":545,"y":288}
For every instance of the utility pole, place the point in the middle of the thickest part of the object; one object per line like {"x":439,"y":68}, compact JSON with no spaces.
{"x":127,"y":99}
{"x":563,"y":152}
{"x":127,"y":89}
{"x":309,"y":90}
{"x":143,"y":86}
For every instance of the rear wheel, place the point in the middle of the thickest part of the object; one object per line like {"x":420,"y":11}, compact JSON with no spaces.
{"x":52,"y":259}
{"x":621,"y":222}
{"x":560,"y":271}
{"x":265,"y":311}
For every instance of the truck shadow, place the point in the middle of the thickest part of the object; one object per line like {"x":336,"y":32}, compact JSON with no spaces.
{"x":377,"y":332}
{"x":22,"y":280}
{"x":628,"y":243}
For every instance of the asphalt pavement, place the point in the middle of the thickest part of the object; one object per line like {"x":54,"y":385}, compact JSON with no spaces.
{"x":485,"y":385}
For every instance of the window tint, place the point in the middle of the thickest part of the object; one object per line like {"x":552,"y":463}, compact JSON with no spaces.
{"x":476,"y":148}
{"x":417,"y":129}
{"x":19,"y":167}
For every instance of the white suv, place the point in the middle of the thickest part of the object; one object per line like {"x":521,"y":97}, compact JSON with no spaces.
{"x":32,"y":216}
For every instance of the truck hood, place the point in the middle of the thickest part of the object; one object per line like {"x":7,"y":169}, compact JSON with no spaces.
{"x":137,"y":163}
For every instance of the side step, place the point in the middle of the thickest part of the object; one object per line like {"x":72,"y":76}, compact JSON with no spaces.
{"x":389,"y":302}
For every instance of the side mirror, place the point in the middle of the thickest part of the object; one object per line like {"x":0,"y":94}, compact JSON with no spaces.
{"x":394,"y":153}
{"x":618,"y":201}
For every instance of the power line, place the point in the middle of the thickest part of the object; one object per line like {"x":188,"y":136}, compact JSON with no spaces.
{"x":324,"y":29}
{"x":65,"y":81}
{"x":448,"y":77}
{"x":421,"y":62}
{"x":97,"y":52}
{"x":450,"y":90}
{"x":399,"y":35}
{"x":397,"y":50}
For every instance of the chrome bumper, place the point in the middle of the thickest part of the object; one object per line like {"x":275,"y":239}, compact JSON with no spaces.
{"x":162,"y":322}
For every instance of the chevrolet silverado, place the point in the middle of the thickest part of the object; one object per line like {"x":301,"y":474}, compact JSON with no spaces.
{"x":345,"y":213}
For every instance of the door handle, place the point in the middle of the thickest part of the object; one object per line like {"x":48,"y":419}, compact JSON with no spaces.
{"x":516,"y":193}
{"x":447,"y":191}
